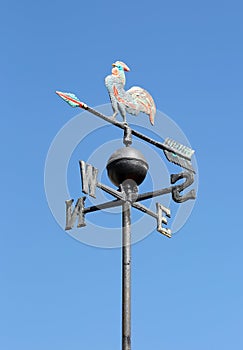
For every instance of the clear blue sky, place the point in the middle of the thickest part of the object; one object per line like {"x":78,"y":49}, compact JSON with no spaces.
{"x":57,"y":293}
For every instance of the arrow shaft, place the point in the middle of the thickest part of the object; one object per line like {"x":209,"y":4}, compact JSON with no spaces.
{"x":123,"y":126}
{"x":174,"y":151}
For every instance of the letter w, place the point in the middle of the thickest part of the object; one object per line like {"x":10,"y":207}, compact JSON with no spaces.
{"x":89,"y":178}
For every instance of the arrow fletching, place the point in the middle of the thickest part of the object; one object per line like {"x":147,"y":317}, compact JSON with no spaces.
{"x":179,"y":149}
{"x":178,"y":154}
{"x":71,"y":99}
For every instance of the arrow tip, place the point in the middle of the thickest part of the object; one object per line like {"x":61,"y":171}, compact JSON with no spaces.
{"x":70,"y":98}
{"x":58,"y":93}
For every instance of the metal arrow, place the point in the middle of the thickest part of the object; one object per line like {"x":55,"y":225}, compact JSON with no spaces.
{"x":173,"y":150}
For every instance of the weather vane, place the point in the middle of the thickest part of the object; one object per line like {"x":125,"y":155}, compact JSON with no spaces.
{"x":127,"y":169}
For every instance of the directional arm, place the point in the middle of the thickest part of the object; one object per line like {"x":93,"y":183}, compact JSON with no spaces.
{"x":111,"y":204}
{"x":115,"y":193}
{"x":153,"y":194}
{"x":158,"y":216}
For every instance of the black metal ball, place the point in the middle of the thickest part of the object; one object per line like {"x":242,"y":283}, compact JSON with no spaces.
{"x":127,"y":163}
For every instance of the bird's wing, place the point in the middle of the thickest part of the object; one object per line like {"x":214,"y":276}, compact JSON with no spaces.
{"x":125,"y":99}
{"x":145,"y":101}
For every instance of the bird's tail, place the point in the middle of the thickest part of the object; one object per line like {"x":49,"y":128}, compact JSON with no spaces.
{"x":144,"y":100}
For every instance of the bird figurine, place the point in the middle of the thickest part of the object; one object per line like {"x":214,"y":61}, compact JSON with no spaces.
{"x":132,"y":101}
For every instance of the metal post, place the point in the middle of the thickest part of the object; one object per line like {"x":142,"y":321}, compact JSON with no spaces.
{"x":126,"y":276}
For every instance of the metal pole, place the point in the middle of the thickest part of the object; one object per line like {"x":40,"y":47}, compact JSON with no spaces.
{"x":126,"y":276}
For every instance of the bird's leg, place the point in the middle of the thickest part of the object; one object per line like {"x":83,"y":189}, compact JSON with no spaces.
{"x":123,"y":113}
{"x":114,"y":115}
